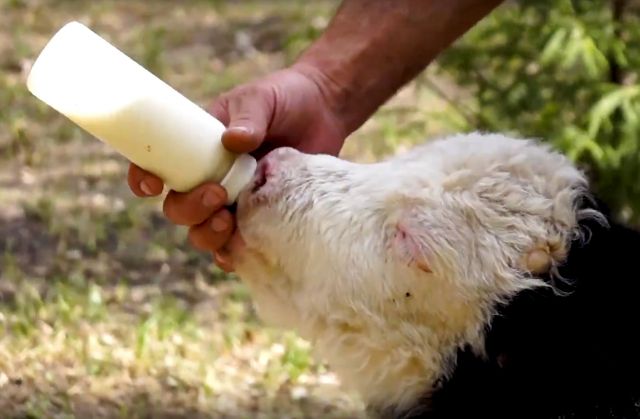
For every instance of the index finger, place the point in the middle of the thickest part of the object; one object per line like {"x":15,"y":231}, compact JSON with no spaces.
{"x":193,"y":207}
{"x":143,"y":183}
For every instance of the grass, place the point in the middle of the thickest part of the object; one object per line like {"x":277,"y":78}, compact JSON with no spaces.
{"x":105,"y":310}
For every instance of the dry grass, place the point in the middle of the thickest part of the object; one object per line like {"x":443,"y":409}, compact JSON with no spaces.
{"x":105,"y":310}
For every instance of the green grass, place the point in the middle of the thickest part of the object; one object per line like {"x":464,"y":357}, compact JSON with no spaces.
{"x":105,"y":309}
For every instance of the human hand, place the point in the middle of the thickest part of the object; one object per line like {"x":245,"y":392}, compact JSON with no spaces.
{"x":294,"y":107}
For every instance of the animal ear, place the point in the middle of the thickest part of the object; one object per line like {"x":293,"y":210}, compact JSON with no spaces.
{"x":409,"y":243}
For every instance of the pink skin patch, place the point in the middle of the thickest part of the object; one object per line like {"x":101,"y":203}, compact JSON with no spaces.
{"x":267,"y":172}
{"x":409,"y":248}
{"x":262,"y":174}
{"x":262,"y":184}
{"x":270,"y":171}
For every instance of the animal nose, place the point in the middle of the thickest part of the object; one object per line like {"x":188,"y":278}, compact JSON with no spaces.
{"x":282,"y":154}
{"x":269,"y":165}
{"x":279,"y":157}
{"x":263,"y":171}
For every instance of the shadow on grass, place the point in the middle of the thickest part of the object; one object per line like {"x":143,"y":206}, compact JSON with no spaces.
{"x":140,"y":404}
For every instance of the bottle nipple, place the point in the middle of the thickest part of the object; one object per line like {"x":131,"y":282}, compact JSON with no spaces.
{"x":239,"y":176}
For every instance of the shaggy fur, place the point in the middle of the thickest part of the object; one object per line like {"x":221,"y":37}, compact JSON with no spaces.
{"x":432,"y":283}
{"x":572,"y":355}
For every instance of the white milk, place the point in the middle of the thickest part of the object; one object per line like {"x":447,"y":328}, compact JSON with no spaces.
{"x":119,"y":102}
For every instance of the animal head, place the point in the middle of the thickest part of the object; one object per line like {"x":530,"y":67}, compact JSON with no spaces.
{"x":389,"y":268}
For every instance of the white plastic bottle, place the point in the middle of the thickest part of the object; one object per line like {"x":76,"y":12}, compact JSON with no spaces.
{"x":118,"y":101}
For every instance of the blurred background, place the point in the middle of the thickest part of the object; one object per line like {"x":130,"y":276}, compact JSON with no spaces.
{"x":106,"y":311}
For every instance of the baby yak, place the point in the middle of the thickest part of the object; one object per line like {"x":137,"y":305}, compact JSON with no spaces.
{"x":472,"y":275}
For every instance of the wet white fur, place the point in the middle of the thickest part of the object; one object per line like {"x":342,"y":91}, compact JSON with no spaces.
{"x":325,"y":258}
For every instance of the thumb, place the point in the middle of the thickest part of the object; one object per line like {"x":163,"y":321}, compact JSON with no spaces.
{"x":250,"y":112}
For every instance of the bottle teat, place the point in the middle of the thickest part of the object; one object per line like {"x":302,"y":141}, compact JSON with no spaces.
{"x":239,"y":176}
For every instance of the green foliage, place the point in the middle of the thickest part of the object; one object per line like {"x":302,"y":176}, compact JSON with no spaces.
{"x":152,"y":47}
{"x":565,"y":72}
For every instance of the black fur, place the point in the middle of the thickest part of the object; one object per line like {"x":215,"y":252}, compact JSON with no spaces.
{"x":553,"y":356}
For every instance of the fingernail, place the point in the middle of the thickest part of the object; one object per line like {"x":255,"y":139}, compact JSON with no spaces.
{"x":240,"y":133}
{"x":222,"y":262}
{"x":145,"y":188}
{"x":210,"y":199}
{"x":218,"y":225}
{"x":219,"y":258}
{"x":242,"y":129}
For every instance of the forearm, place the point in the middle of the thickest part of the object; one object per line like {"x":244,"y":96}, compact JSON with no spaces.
{"x":373,"y":47}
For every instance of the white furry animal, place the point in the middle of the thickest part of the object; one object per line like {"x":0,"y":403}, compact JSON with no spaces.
{"x":392,"y":269}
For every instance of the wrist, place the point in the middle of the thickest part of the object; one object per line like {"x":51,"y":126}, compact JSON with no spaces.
{"x":358,"y":69}
{"x":353,"y":92}
{"x":333,"y":91}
